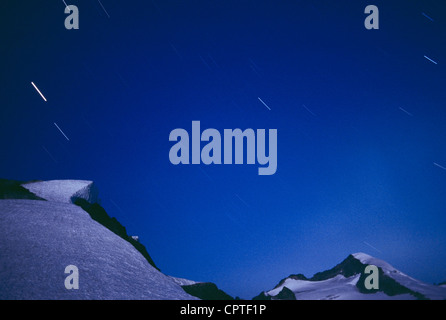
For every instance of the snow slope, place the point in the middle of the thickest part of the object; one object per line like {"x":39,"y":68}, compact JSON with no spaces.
{"x":38,"y":239}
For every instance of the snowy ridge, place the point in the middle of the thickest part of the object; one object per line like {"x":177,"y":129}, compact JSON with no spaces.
{"x":366,"y":260}
{"x":65,"y":191}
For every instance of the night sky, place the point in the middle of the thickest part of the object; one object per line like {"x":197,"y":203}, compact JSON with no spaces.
{"x":360,"y":116}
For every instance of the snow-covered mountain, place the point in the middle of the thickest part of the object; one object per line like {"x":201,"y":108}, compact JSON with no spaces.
{"x":39,"y":239}
{"x":345,"y":281}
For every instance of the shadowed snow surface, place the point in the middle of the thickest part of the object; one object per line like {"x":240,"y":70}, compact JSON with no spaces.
{"x":38,"y":239}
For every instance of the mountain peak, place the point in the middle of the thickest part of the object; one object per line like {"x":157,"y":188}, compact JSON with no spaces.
{"x":350,"y":266}
{"x":65,"y":191}
{"x":346,"y":281}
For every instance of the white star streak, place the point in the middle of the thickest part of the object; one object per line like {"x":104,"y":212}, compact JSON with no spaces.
{"x":264,"y":103}
{"x":410,"y":114}
{"x":308,"y":110}
{"x":61,"y":131}
{"x":104,"y":9}
{"x":49,"y":154}
{"x":430,"y":59}
{"x":439,"y":166}
{"x":37,"y":89}
{"x":366,"y":243}
{"x":427,"y":16}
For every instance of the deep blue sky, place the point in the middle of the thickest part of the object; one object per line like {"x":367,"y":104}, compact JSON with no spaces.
{"x":356,"y":165}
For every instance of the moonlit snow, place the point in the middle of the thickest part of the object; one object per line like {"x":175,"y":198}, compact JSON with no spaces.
{"x":38,"y":239}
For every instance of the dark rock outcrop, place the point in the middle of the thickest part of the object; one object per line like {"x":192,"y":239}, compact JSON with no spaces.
{"x":206,"y":291}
